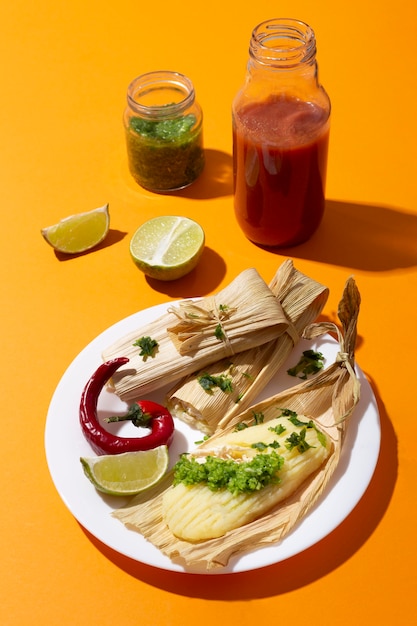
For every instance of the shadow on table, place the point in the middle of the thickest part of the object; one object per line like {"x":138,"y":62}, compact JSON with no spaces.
{"x":300,"y":570}
{"x":366,"y":237}
{"x":216,"y":180}
{"x":357,"y":236}
{"x":209,"y":272}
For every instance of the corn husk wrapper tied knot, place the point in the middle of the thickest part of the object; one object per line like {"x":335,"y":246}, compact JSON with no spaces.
{"x":201,"y":324}
{"x":329,"y":399}
{"x":242,"y":315}
{"x":302,"y":300}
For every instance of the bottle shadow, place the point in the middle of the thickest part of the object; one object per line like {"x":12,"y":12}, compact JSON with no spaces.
{"x":362,"y":236}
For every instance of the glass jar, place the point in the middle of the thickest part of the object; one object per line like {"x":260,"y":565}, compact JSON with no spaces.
{"x":164,"y":131}
{"x":281,"y":121}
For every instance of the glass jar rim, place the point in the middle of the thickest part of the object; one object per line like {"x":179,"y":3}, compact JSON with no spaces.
{"x":283,"y":43}
{"x":160,"y":81}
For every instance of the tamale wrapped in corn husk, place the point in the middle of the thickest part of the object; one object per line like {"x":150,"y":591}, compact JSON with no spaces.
{"x":329,"y":398}
{"x":247,"y":373}
{"x":195,"y":333}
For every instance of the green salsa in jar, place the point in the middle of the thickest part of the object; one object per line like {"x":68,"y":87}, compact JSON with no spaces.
{"x":164,"y":132}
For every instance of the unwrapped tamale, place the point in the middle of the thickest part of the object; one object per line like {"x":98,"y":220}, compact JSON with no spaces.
{"x":242,"y":475}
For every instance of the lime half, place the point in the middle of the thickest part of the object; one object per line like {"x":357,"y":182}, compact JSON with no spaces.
{"x":167,"y":247}
{"x":80,"y":232}
{"x":127,"y":473}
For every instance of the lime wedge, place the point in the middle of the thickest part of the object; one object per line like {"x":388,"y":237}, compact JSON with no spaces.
{"x":127,"y":473}
{"x":80,"y":232}
{"x":168,"y":247}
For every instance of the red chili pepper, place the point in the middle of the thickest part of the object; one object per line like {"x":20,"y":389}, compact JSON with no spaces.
{"x":150,"y":414}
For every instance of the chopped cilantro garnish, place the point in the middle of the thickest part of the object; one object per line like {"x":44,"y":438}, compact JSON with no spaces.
{"x":147,"y":345}
{"x":236,"y":477}
{"x":310,"y":424}
{"x":197,"y":443}
{"x":208,"y":382}
{"x":288,"y":413}
{"x":219,"y":332}
{"x":321,"y":437}
{"x":275,"y":444}
{"x":298,"y":440}
{"x":310,"y":363}
{"x":297,"y":422}
{"x":278,"y":430}
{"x":259,"y":446}
{"x":258,"y":418}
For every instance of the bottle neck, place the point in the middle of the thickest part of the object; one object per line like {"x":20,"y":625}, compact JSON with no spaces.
{"x":283,"y":44}
{"x":282,"y":61}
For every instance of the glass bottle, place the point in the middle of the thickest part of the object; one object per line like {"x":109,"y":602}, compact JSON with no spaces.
{"x":281,"y":121}
{"x":164,"y":131}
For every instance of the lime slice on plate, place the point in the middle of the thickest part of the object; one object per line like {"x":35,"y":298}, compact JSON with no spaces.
{"x":128,"y":473}
{"x":168,"y":247}
{"x":80,"y":232}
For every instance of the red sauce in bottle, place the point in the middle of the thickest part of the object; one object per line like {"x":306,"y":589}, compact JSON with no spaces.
{"x":280,"y":158}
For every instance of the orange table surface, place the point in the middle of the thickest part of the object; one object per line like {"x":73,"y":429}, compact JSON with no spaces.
{"x":64,"y":73}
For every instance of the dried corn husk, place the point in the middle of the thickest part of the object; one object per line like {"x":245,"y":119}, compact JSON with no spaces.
{"x":196,"y":333}
{"x":302,"y":300}
{"x":329,"y":398}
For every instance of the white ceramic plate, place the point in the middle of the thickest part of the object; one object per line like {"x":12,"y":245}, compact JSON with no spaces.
{"x":65,"y":443}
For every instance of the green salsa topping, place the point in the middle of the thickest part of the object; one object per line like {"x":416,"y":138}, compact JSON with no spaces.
{"x":163,"y":130}
{"x":165,"y":154}
{"x":217,"y":473}
{"x":247,"y":476}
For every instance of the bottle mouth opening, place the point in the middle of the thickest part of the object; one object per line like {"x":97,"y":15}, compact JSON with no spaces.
{"x":161,"y":94}
{"x":283,"y":42}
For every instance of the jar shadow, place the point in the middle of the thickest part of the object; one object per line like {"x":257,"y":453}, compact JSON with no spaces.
{"x":215,"y":181}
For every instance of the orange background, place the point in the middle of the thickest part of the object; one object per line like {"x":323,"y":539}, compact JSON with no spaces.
{"x":65,"y":67}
